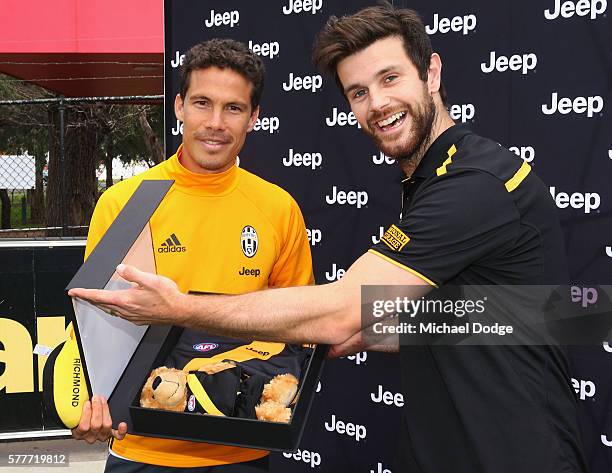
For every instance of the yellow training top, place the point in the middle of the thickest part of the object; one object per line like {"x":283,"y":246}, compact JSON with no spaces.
{"x":231,"y":232}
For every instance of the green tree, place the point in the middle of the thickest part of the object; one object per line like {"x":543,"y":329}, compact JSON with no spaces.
{"x":24,"y":128}
{"x":94,"y":133}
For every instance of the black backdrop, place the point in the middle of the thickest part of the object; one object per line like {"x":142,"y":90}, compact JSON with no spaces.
{"x":537,"y":57}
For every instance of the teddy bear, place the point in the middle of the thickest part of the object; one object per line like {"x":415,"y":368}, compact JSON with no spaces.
{"x":168,"y":389}
{"x":276,"y":397}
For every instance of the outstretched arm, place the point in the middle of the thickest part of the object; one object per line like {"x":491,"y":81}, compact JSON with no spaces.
{"x":329,"y":313}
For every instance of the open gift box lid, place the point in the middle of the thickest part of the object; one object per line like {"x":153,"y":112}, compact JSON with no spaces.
{"x":118,"y":355}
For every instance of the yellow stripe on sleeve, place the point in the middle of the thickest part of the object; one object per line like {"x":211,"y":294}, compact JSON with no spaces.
{"x":442,"y":169}
{"x":520,"y":175}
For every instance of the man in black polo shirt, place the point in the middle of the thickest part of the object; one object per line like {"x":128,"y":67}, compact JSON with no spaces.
{"x":474,"y":214}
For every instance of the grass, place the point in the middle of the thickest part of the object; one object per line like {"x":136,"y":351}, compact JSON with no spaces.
{"x":16,"y":217}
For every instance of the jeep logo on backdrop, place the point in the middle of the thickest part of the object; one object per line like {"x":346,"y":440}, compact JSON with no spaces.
{"x":579,"y":105}
{"x":516,"y":62}
{"x":228,"y":18}
{"x":305,"y":6}
{"x":582,"y":8}
{"x":457,"y":24}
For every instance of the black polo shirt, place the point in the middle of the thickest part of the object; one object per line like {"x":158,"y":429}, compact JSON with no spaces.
{"x":475,"y":213}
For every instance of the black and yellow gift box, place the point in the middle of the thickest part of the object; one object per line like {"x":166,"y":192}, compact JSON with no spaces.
{"x":115,"y":357}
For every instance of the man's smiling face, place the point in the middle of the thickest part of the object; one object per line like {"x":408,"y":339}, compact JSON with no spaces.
{"x":391,"y":103}
{"x":216,"y":115}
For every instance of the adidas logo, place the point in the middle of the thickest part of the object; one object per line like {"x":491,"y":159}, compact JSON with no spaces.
{"x":171,"y":245}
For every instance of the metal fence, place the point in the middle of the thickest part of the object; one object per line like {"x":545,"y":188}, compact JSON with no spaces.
{"x":57,"y":155}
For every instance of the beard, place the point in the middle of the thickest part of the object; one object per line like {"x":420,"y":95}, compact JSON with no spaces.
{"x":412,"y":145}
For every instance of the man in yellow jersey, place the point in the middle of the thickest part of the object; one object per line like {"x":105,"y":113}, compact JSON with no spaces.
{"x":220,"y":229}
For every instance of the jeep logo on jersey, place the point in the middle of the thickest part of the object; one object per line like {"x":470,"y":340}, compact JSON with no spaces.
{"x":259,"y":352}
{"x":171,"y":245}
{"x":205,"y":346}
{"x":249,"y":241}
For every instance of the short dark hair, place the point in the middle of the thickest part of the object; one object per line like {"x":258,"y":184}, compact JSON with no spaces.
{"x":342,"y":37}
{"x":224,"y":53}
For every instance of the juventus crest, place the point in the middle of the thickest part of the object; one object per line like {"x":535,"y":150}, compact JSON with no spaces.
{"x":249,"y":241}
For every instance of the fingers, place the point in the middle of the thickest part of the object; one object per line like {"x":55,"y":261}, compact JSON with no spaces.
{"x":97,"y":425}
{"x":83,"y":428}
{"x":338,"y":351}
{"x":120,"y":432}
{"x":334,"y":352}
{"x":155,"y":283}
{"x":96,"y":422}
{"x":103,"y":300}
{"x":352,"y":345}
{"x":107,"y":422}
{"x":134,"y":275}
{"x":153,"y":301}
{"x":110,"y":309}
{"x":95,"y":296}
{"x":96,"y":415}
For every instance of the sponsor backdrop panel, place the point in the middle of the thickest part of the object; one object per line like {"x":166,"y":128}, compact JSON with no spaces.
{"x":533,"y":75}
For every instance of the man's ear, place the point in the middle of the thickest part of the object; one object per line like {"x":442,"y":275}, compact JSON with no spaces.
{"x":253,"y":119}
{"x":178,"y":107}
{"x":434,"y":74}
